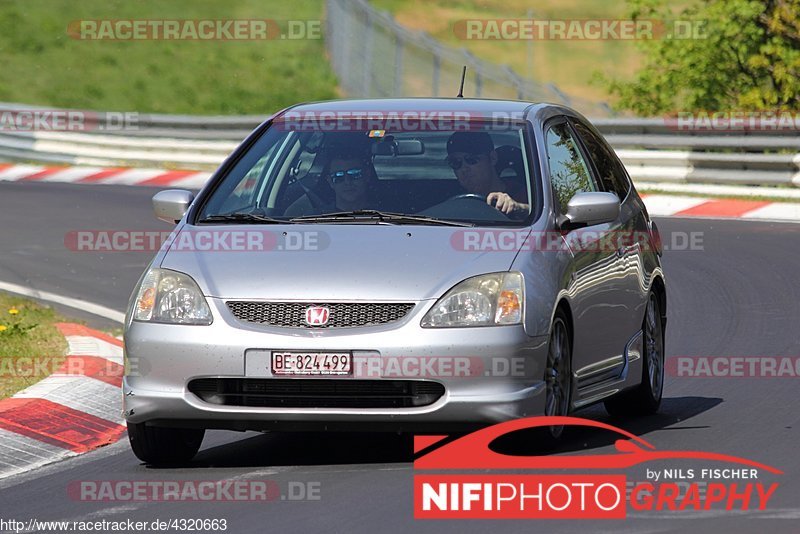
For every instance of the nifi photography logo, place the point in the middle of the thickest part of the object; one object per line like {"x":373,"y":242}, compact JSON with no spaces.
{"x":464,"y":478}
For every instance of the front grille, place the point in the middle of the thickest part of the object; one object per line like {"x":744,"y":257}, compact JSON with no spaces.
{"x":316,"y":392}
{"x":342,"y":314}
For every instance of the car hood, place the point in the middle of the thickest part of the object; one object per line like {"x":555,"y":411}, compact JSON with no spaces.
{"x":331,"y":262}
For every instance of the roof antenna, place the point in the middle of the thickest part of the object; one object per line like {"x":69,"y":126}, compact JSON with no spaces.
{"x":461,"y":89}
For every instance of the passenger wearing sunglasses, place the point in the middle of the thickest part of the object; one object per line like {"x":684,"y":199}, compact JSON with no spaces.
{"x":350,"y":180}
{"x":472,"y":157}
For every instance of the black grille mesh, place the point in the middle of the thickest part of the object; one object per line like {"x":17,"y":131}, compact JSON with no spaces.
{"x":316,"y":393}
{"x":342,"y":314}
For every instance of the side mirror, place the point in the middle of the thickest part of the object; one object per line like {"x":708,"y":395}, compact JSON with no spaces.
{"x":591,"y":207}
{"x":171,"y":205}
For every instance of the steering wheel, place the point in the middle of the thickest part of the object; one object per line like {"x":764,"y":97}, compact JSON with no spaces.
{"x":475,"y":196}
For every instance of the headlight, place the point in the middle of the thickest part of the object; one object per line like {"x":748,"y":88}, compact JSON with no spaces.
{"x":170,"y":297}
{"x":486,"y":300}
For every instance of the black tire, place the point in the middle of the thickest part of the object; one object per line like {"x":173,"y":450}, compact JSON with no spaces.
{"x":558,"y":379}
{"x":645,"y":399}
{"x":159,"y":445}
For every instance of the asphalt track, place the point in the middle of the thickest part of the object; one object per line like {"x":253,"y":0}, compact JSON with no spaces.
{"x":738,"y":296}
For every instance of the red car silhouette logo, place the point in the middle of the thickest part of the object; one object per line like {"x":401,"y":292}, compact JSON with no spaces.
{"x":472,"y":451}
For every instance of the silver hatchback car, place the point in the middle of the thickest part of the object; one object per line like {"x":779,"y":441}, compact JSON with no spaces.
{"x":421,"y":265}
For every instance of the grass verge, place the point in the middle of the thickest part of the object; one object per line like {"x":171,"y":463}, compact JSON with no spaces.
{"x":31,"y":347}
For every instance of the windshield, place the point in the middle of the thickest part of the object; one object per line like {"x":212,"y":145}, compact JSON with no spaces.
{"x":475,"y":174}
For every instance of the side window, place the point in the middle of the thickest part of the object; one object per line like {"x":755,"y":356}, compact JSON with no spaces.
{"x":243,"y":194}
{"x":569,"y":173}
{"x":611,"y":172}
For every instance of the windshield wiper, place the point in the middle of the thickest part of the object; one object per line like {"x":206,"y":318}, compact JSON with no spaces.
{"x":241,"y":217}
{"x":378,"y":216}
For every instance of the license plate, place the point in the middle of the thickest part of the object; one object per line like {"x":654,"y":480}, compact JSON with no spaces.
{"x":312,"y":363}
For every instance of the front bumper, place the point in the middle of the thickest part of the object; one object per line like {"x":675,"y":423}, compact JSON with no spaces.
{"x":502,"y":380}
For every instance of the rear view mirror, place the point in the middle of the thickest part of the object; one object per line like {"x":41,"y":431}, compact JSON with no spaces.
{"x":403,"y":147}
{"x":591,"y":207}
{"x":171,"y":205}
{"x":410,"y":147}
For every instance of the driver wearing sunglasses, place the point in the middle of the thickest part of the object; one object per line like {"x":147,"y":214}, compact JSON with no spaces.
{"x":349,"y":178}
{"x":472,"y":157}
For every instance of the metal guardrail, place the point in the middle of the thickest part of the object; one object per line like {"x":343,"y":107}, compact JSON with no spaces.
{"x":650,"y":148}
{"x":117,"y":150}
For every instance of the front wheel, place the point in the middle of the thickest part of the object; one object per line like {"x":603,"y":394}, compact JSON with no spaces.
{"x":558,"y":377}
{"x":160,"y":445}
{"x":646,"y":398}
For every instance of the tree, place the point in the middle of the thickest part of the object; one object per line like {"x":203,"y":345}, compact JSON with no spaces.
{"x":748,"y":58}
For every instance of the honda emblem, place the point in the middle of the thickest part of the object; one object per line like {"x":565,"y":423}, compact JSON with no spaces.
{"x":317,"y":315}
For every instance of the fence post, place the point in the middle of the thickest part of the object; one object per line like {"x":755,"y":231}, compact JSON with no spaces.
{"x":398,"y":66}
{"x":344,"y":43}
{"x":368,"y":38}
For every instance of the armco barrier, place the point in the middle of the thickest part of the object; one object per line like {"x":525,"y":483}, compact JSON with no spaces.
{"x":651,"y":150}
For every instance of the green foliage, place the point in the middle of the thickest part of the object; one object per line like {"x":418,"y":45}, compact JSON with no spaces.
{"x":749,"y":59}
{"x":568,"y":172}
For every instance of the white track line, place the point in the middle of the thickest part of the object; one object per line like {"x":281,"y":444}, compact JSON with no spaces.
{"x":776,"y":210}
{"x":78,"y":304}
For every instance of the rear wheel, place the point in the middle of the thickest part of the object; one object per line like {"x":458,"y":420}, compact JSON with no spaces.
{"x":159,"y":445}
{"x":645,"y":399}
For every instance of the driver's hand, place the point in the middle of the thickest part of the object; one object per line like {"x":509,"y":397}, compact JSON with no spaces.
{"x":504,"y":203}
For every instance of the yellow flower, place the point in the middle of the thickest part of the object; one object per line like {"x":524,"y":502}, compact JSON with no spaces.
{"x":13,"y":311}
{"x":3,"y":327}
